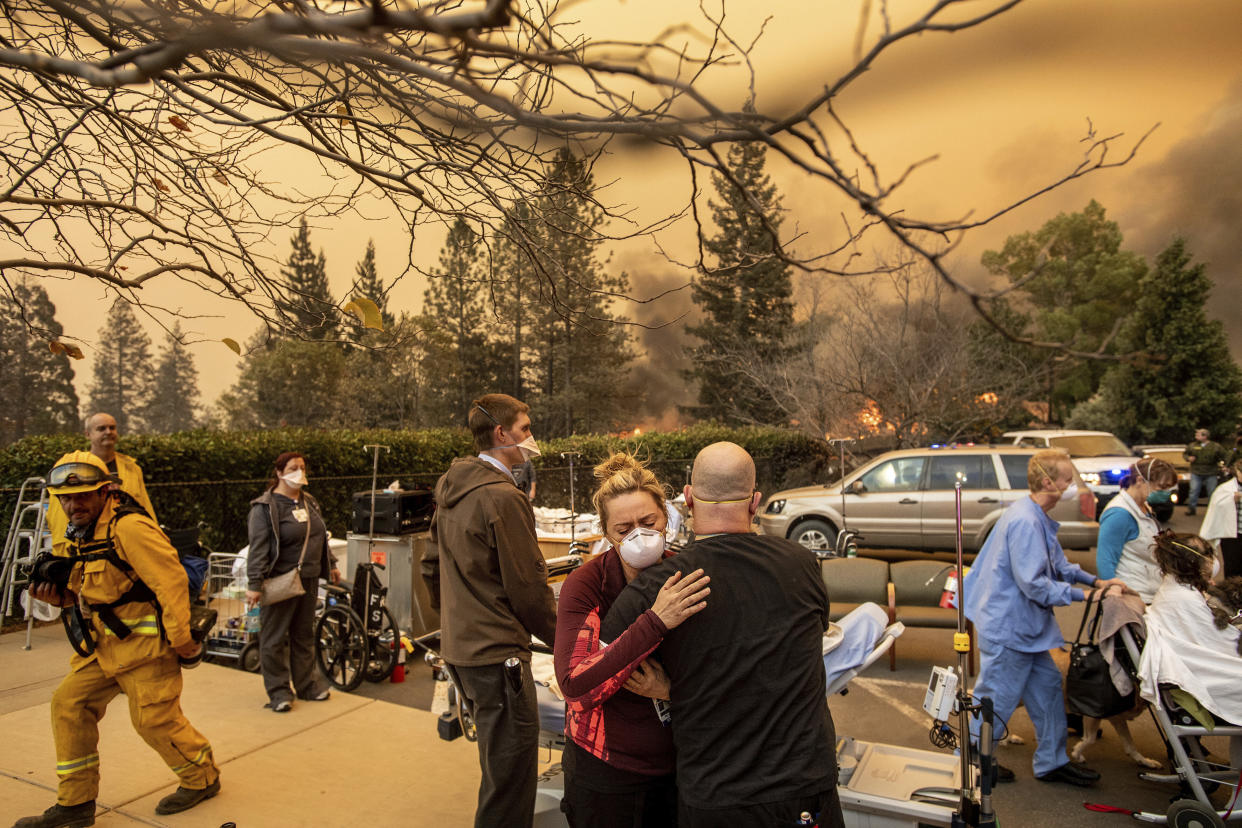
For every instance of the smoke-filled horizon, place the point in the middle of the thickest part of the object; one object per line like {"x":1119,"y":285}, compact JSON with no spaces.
{"x":1001,"y":107}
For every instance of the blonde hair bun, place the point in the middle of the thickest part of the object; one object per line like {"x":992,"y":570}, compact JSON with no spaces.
{"x":621,"y":474}
{"x":617,"y":463}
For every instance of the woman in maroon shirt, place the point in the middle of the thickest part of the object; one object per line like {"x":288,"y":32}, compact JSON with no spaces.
{"x":618,"y":759}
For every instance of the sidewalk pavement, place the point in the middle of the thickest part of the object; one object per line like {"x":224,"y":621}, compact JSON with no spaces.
{"x":346,"y":762}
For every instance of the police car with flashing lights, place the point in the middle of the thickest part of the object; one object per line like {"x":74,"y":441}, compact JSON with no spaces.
{"x":1099,"y":456}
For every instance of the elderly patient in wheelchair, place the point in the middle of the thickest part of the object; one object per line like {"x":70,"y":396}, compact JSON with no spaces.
{"x":1188,"y":656}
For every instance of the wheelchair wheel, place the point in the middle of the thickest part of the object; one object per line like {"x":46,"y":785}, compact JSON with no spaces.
{"x":382,"y":647}
{"x":1191,"y":813}
{"x":341,"y":647}
{"x":250,"y":659}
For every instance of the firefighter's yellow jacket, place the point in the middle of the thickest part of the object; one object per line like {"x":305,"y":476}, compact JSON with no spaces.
{"x":140,"y":543}
{"x":132,"y":482}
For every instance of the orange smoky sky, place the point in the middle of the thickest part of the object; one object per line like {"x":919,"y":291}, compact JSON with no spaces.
{"x":1003,"y":108}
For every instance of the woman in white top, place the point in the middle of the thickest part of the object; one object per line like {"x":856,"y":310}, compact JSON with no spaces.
{"x":1220,"y":524}
{"x":1184,"y":647}
{"x":1128,"y":528}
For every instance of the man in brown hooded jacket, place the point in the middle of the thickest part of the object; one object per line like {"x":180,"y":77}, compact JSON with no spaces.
{"x":484,"y":569}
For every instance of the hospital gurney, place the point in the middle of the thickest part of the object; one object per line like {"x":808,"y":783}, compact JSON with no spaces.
{"x":881,"y":786}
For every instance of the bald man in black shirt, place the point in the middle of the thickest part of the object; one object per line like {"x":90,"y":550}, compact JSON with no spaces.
{"x":755,"y":741}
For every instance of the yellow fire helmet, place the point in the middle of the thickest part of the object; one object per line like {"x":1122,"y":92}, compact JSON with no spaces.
{"x":77,"y":471}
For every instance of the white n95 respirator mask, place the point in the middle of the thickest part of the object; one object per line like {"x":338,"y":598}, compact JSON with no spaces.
{"x":641,"y":547}
{"x":529,"y":448}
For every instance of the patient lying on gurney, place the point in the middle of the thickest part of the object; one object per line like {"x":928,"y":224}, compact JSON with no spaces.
{"x":1185,"y":648}
{"x":847,"y":644}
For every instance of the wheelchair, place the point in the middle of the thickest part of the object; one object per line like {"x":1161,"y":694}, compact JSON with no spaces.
{"x":356,"y":636}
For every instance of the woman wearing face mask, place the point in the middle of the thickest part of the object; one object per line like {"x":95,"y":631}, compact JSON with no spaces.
{"x":286,"y":530}
{"x":618,"y":759}
{"x":1128,"y":528}
{"x":1223,"y":518}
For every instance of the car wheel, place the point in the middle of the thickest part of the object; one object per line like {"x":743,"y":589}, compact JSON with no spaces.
{"x":816,"y":535}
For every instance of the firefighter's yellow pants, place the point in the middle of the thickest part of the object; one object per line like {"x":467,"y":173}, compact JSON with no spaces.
{"x":154,"y":693}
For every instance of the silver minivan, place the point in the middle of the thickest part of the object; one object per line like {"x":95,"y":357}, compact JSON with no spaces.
{"x":905,"y":499}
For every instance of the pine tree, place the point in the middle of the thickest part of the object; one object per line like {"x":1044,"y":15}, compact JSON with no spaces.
{"x":368,"y":285}
{"x":453,"y":309}
{"x":1184,"y":377}
{"x":309,"y":301}
{"x":579,"y":346}
{"x":122,"y":372}
{"x":286,"y":382}
{"x":36,"y":384}
{"x":744,"y":297}
{"x":175,"y":402}
{"x":511,"y":278}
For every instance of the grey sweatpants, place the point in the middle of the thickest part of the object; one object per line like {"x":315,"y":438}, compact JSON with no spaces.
{"x":287,"y":646}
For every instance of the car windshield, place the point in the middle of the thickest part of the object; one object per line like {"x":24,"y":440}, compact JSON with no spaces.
{"x":1171,"y":456}
{"x":1091,"y":445}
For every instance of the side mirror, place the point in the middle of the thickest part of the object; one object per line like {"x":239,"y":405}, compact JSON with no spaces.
{"x":856,"y":487}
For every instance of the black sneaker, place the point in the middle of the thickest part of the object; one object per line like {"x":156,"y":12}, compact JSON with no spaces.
{"x":61,"y":816}
{"x":1003,"y":775}
{"x":183,"y":799}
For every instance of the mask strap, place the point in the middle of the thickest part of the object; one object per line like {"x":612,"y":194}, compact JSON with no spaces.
{"x":488,"y":414}
{"x":1191,"y":549}
{"x":738,"y":500}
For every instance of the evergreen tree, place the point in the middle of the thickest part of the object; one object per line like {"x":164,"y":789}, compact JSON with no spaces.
{"x":397,"y":370}
{"x":453,"y":310}
{"x":744,"y":298}
{"x":123,"y":373}
{"x":1184,"y":377}
{"x":174,"y":405}
{"x":368,"y":285}
{"x":309,"y":302}
{"x":285,"y":382}
{"x":580,"y":351}
{"x":1077,"y":283}
{"x":512,"y":279}
{"x":35,"y":384}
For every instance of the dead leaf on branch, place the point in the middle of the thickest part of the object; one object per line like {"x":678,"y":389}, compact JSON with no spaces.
{"x":368,"y":312}
{"x":179,"y":123}
{"x":58,"y":347}
{"x":232,"y":345}
{"x":220,"y":177}
{"x":161,"y":186}
{"x":343,"y":111}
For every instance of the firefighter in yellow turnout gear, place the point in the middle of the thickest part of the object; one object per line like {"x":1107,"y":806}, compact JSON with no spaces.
{"x":136,"y":647}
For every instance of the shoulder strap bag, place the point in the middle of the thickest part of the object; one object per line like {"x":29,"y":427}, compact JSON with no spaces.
{"x":289,"y":585}
{"x":1089,"y":688}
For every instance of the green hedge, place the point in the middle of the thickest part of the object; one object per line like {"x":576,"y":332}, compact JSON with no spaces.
{"x":210,"y":476}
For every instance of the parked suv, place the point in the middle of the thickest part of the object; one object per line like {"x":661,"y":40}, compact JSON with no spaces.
{"x":906,"y":499}
{"x":1100,"y":457}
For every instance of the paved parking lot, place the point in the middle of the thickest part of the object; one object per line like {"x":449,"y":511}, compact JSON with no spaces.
{"x":373,"y":758}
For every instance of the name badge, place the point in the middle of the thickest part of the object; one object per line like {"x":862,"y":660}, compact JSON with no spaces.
{"x":300,"y":515}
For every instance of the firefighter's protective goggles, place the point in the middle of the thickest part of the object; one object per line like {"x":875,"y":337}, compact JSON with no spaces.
{"x":71,"y":478}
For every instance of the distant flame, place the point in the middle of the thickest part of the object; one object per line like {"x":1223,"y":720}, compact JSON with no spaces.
{"x":988,"y":398}
{"x":870,"y":417}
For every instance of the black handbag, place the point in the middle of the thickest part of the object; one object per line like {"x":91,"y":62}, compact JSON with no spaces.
{"x":1089,"y":688}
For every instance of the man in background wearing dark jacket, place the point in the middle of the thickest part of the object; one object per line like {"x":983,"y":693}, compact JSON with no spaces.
{"x":484,"y":569}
